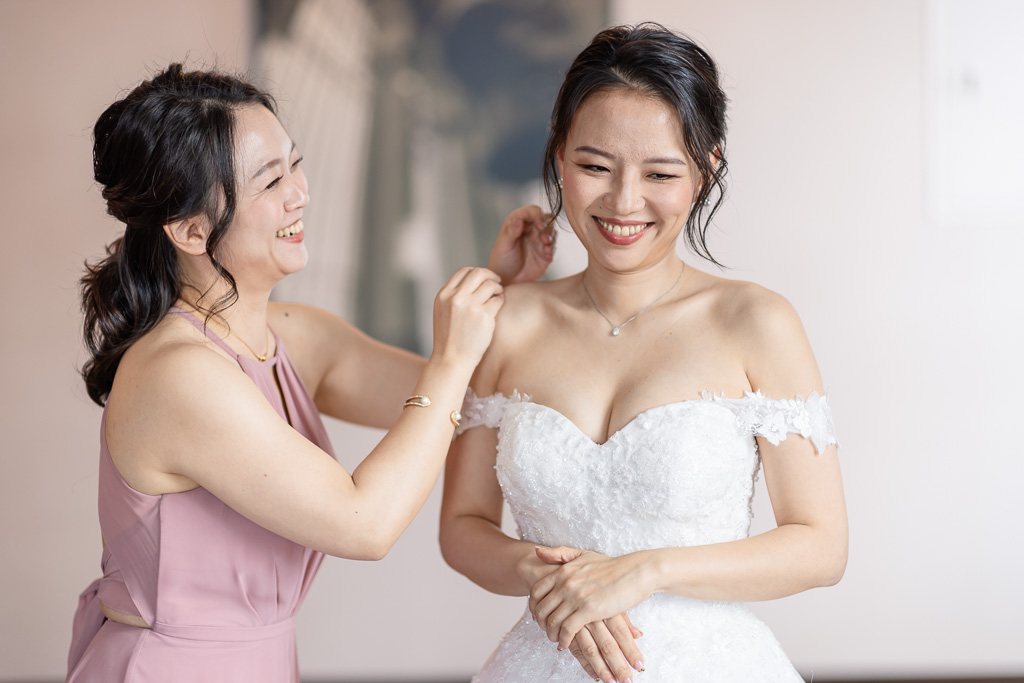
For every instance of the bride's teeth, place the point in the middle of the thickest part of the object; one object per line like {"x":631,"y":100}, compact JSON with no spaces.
{"x":621,"y":230}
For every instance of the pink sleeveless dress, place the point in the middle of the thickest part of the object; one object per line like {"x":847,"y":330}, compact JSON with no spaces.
{"x":220,"y":592}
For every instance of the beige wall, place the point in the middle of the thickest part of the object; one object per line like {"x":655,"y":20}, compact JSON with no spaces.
{"x":916,"y":329}
{"x":63,"y":63}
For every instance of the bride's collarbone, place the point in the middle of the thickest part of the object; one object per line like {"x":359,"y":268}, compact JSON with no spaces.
{"x":602,"y":386}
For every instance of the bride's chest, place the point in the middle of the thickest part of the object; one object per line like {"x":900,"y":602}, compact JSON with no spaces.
{"x":669,"y":460}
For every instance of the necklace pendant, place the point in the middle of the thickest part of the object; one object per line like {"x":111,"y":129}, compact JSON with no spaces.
{"x":615,"y":332}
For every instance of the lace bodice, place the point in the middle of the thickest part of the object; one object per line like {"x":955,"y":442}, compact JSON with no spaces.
{"x":679,"y":474}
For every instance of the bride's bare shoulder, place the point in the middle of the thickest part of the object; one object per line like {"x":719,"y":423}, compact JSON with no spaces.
{"x":531,"y":311}
{"x":740,"y":304}
{"x":530,"y":303}
{"x":767,"y":331}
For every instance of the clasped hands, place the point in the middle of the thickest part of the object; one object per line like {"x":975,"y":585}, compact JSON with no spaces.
{"x":579,"y":598}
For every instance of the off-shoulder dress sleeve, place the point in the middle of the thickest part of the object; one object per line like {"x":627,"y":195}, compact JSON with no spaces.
{"x":774,"y":419}
{"x":485,"y":411}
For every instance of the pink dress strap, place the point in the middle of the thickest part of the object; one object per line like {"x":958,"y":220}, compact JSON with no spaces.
{"x":202,"y":327}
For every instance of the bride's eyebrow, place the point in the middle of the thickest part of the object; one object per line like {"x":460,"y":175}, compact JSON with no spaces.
{"x":595,"y":151}
{"x":608,"y":155}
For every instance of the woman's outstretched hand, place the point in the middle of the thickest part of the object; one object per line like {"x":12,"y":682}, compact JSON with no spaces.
{"x":524,"y":247}
{"x":464,"y":312}
{"x":605,"y":648}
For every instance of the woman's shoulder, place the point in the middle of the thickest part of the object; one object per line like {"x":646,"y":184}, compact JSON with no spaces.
{"x":769,"y":336}
{"x":166,"y":361}
{"x":530,"y":310}
{"x":298,"y":322}
{"x":747,"y":308}
{"x":533,"y":303}
{"x":531,"y":293}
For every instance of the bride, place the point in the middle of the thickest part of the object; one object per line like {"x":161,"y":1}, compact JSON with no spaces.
{"x":623,"y":412}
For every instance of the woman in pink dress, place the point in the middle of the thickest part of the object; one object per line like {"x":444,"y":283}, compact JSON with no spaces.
{"x":218,"y":490}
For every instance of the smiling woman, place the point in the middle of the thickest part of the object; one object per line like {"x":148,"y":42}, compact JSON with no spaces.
{"x":627,"y":455}
{"x":218,"y":489}
{"x":268,"y":224}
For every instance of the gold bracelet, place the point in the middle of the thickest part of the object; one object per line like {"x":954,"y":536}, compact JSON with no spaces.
{"x":420,"y":401}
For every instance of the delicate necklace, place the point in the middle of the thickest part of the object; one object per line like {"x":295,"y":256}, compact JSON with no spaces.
{"x":616,"y":329}
{"x":266,"y":344}
{"x":266,"y":340}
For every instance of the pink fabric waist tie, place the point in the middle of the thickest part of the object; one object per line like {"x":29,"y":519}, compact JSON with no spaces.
{"x":226,"y":634}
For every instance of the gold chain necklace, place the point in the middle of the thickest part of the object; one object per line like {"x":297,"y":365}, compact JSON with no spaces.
{"x":266,"y":344}
{"x":266,"y":339}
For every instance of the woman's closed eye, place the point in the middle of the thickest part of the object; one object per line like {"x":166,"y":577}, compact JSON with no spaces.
{"x":275,"y":181}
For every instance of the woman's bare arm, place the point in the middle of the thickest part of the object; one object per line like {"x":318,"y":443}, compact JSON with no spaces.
{"x":193,"y":415}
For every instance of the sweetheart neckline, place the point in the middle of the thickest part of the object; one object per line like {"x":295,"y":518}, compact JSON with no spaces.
{"x":707,"y":396}
{"x":711,"y":398}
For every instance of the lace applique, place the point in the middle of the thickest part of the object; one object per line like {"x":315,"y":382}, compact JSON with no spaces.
{"x":486,"y":411}
{"x":774,"y":419}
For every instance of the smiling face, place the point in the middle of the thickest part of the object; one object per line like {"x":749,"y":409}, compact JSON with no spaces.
{"x":627,"y":181}
{"x":265,"y":240}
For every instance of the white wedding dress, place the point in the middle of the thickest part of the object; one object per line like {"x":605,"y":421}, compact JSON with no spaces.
{"x":680,"y":474}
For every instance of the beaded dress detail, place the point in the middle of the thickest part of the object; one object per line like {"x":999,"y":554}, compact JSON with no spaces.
{"x":680,"y":474}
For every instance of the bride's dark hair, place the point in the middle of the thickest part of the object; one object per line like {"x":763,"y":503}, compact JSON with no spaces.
{"x":162,"y":153}
{"x":652,"y":61}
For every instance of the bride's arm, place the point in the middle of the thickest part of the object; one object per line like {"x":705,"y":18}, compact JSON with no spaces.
{"x":472,"y":541}
{"x":808,"y":548}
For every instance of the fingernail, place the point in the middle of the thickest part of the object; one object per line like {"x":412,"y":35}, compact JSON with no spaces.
{"x":639,"y":665}
{"x":628,"y":680}
{"x":560,"y":648}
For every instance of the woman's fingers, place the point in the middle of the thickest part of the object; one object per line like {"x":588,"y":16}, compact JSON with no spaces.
{"x":632,"y":629}
{"x":623,"y":632}
{"x":464,"y":313}
{"x":559,"y":555}
{"x":575,"y":651}
{"x":554,"y":622}
{"x":588,"y":654}
{"x":540,"y":590}
{"x":455,"y":280}
{"x":469,"y":278}
{"x":609,"y":650}
{"x":524,"y":246}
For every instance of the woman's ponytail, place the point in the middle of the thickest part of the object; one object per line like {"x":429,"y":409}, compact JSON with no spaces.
{"x":163,"y":153}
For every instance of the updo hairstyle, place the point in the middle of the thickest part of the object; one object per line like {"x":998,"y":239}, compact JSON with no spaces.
{"x":655,"y":62}
{"x":163,"y":153}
